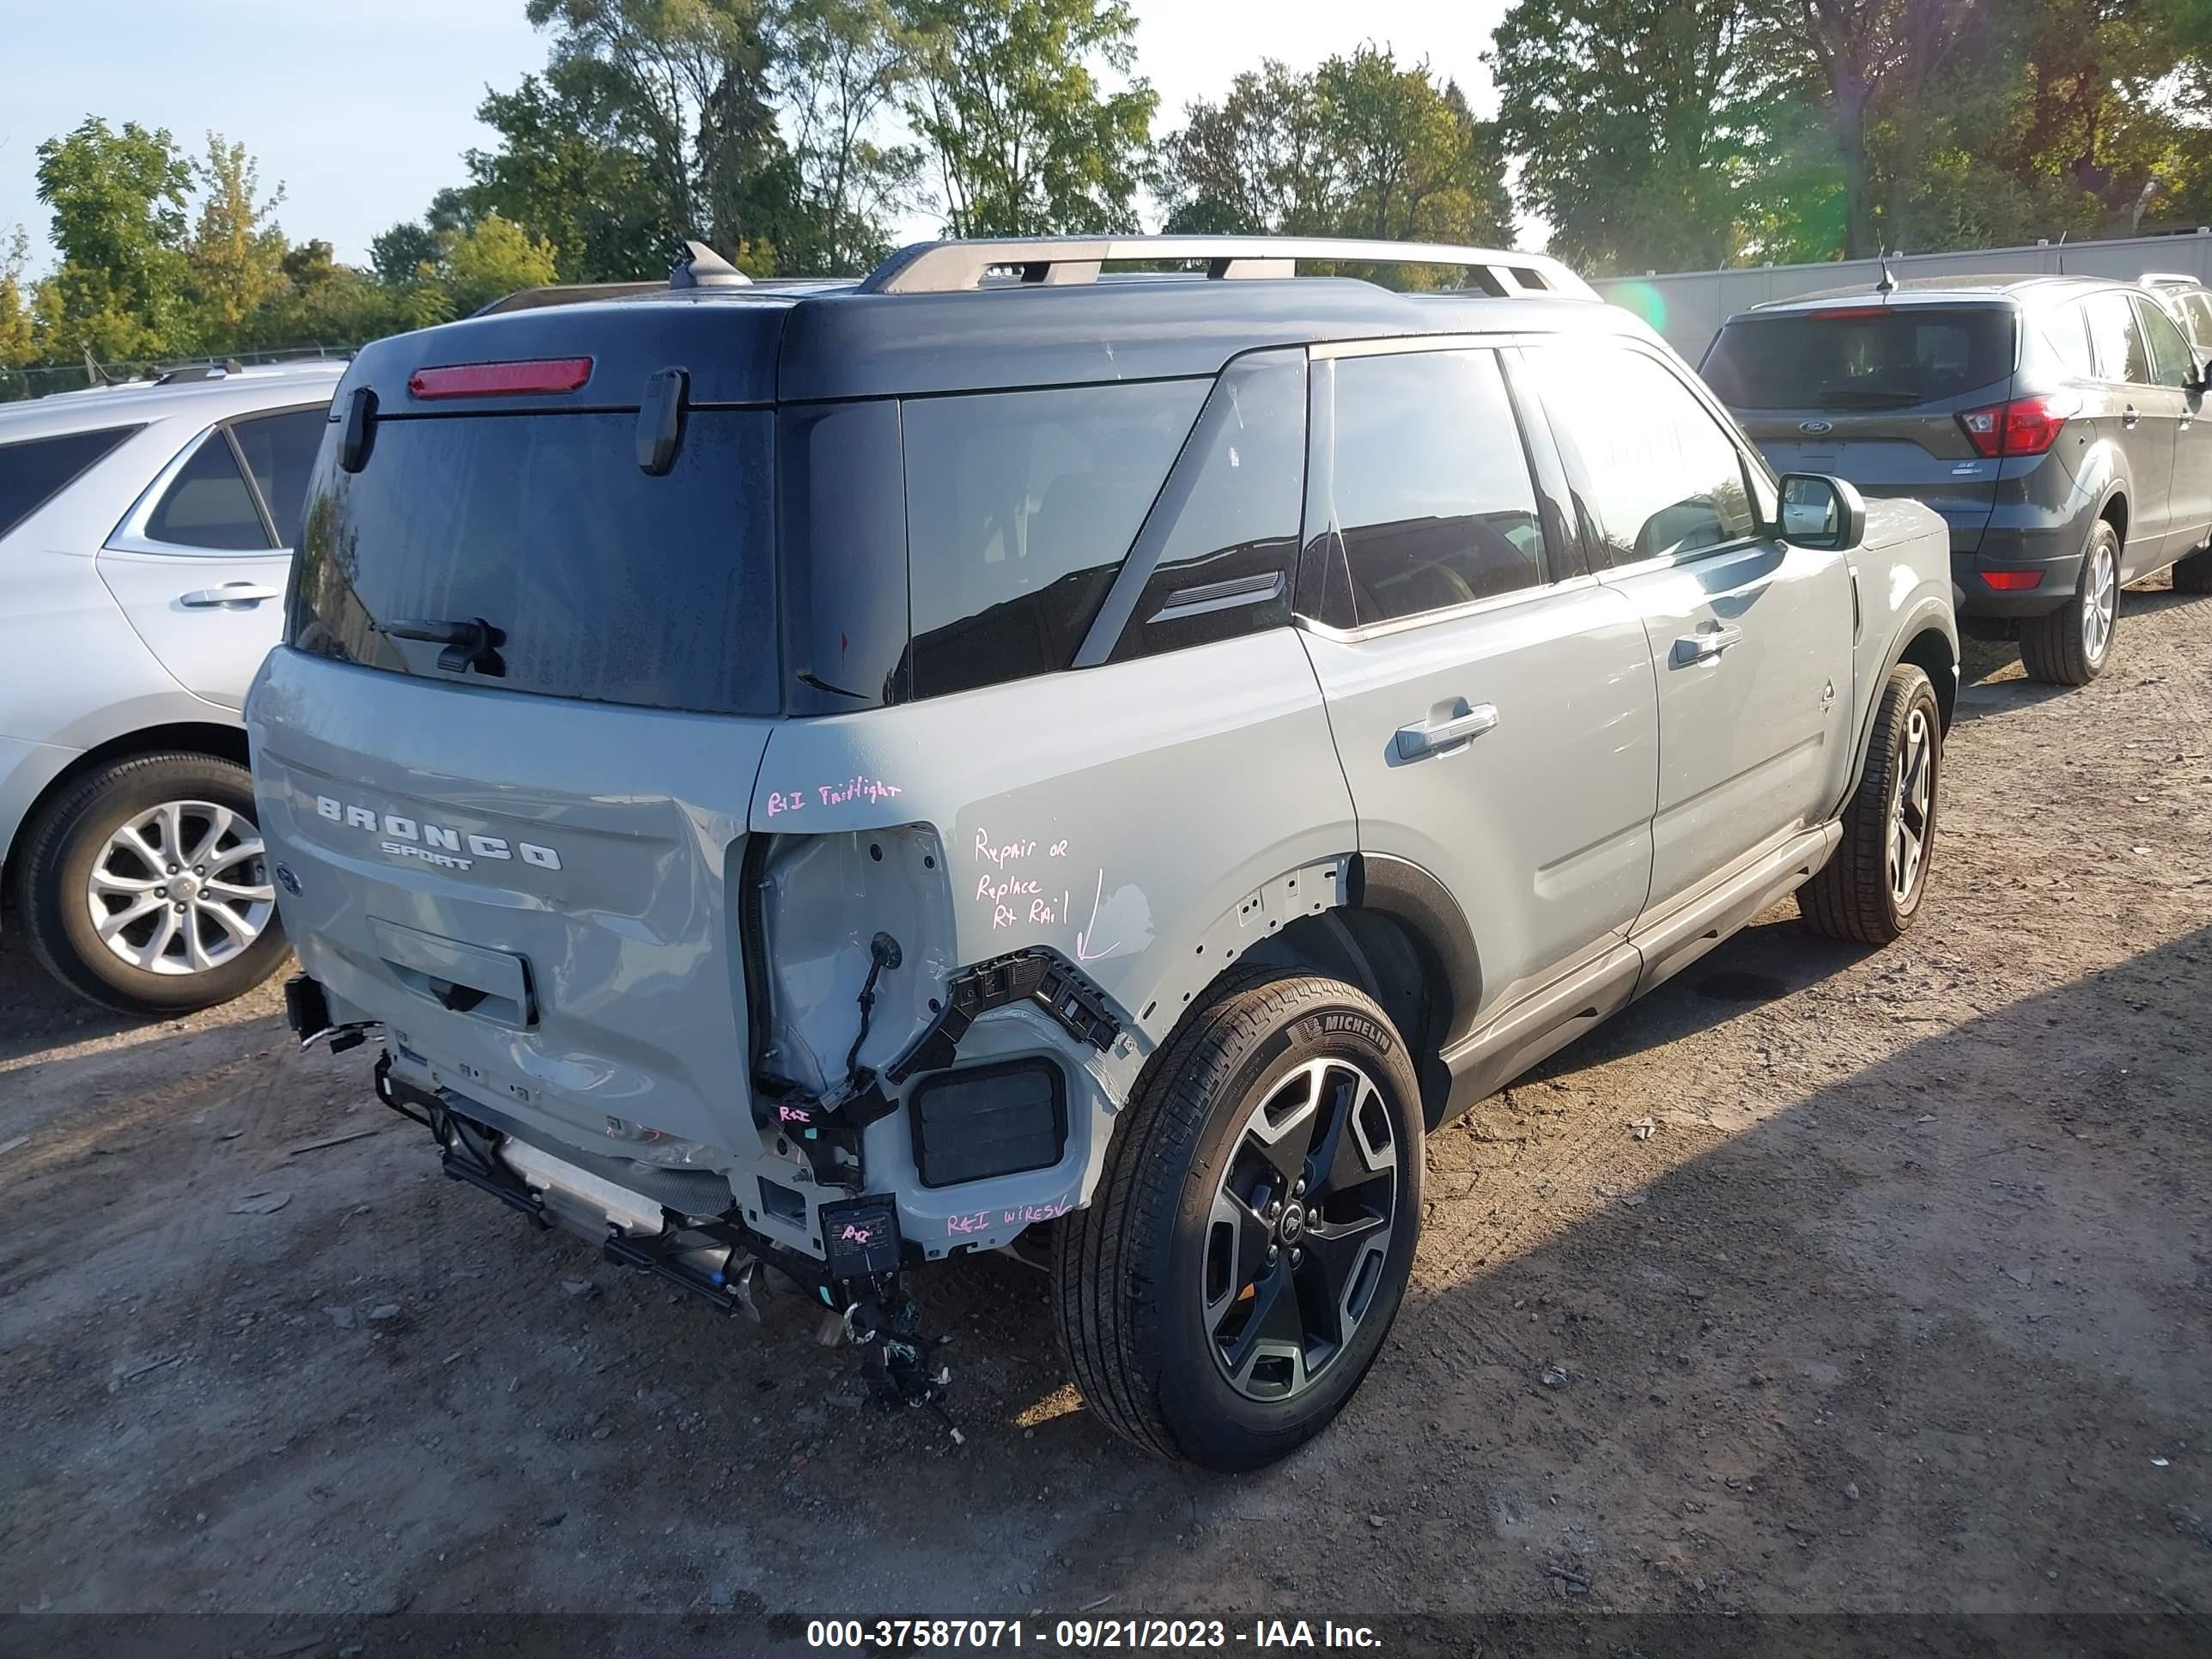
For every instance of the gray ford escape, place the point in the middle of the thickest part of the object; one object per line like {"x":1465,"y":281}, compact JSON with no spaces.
{"x":990,"y":755}
{"x":2051,"y":420}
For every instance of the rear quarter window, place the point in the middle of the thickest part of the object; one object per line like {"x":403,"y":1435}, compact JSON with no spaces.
{"x":1880,"y":357}
{"x":1020,"y":507}
{"x":36,"y":469}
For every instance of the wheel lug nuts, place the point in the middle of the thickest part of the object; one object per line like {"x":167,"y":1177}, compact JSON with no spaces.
{"x":1272,"y":1254}
{"x":173,"y":869}
{"x":199,"y":869}
{"x":1297,"y":1256}
{"x":1298,"y":1191}
{"x":161,"y":892}
{"x":180,"y":910}
{"x":1274,"y":1209}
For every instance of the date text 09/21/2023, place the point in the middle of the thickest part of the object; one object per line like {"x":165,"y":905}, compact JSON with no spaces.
{"x":1085,"y":1635}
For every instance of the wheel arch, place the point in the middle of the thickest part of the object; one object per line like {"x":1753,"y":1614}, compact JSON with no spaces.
{"x":187,"y":737}
{"x":1929,"y":639}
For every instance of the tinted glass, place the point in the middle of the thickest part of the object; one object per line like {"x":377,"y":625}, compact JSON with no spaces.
{"x":2118,"y":341}
{"x":2068,"y":332}
{"x":1020,"y":506}
{"x":207,"y":504}
{"x":34,"y":471}
{"x":610,"y":585}
{"x":2171,"y":359}
{"x":2199,"y":308}
{"x":1226,"y":565}
{"x":1878,"y":358}
{"x":280,"y":452}
{"x":1430,"y":490}
{"x":1658,"y":474}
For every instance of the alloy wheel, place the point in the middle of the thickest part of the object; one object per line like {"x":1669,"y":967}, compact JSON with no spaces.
{"x":181,"y":888}
{"x":1910,"y":807}
{"x":2101,"y":604}
{"x":1299,"y":1234}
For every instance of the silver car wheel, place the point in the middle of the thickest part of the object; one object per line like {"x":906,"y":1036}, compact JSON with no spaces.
{"x":1299,"y":1234}
{"x":2101,"y":604}
{"x":1909,"y":808}
{"x":182,"y":888}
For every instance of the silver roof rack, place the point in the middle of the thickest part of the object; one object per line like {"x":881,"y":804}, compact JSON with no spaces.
{"x":1052,"y":261}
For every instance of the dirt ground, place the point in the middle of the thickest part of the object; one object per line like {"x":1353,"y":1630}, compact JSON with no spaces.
{"x":1901,"y":1306}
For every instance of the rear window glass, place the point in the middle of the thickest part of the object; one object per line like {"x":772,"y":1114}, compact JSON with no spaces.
{"x":609,"y":585}
{"x":207,"y":504}
{"x":280,"y":452}
{"x":1885,"y":358}
{"x":34,"y":471}
{"x":1020,"y":506}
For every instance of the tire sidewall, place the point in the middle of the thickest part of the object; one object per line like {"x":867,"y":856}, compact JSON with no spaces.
{"x":1211,"y":1421}
{"x":56,"y":886}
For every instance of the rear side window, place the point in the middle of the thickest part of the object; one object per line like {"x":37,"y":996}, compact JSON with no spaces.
{"x":280,"y":452}
{"x":2067,"y":331}
{"x":209,"y":504}
{"x":1655,"y":473}
{"x":1431,"y":494}
{"x":2171,"y":361}
{"x":1020,"y":506}
{"x":2116,"y":339}
{"x":34,"y":471}
{"x":609,"y":585}
{"x":2199,"y":308}
{"x":1882,"y":357}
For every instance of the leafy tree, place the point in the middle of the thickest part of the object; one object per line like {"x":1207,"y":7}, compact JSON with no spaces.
{"x":119,"y":202}
{"x":399,"y":253}
{"x":1262,"y":161}
{"x":564,"y":171}
{"x":842,"y":64}
{"x":236,"y":252}
{"x":490,"y":259}
{"x":1638,"y":121}
{"x":18,"y":345}
{"x":1026,"y":138}
{"x":1413,"y":162}
{"x":684,"y":85}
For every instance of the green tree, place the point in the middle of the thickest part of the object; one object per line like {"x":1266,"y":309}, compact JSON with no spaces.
{"x":840,"y":65}
{"x":119,"y":202}
{"x":1639,"y":121}
{"x":236,"y":252}
{"x":1262,"y":161}
{"x":683,"y":84}
{"x":490,"y":259}
{"x":1413,"y":162}
{"x":398,"y":254}
{"x":1007,"y":96}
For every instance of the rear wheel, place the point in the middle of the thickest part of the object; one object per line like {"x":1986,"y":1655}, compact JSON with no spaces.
{"x":145,"y":886}
{"x":1250,"y":1243}
{"x":2071,"y":646}
{"x":1870,"y":890}
{"x":2194,"y":573}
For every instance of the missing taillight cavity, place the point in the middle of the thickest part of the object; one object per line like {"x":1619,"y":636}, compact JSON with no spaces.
{"x":500,"y":379}
{"x":2025,"y":426}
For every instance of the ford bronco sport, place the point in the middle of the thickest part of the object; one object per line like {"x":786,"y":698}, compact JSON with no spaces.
{"x":829,"y":778}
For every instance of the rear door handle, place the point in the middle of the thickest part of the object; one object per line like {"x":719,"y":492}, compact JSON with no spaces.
{"x":1432,"y":738}
{"x":1706,"y":647}
{"x":2129,"y":415}
{"x":230,"y":593}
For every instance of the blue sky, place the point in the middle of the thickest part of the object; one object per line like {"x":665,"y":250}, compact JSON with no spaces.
{"x":362,"y":110}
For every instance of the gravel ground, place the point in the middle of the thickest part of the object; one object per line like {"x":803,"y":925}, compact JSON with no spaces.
{"x":1900,"y":1307}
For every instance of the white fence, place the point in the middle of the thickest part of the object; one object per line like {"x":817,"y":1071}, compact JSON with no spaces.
{"x":1689,"y":306}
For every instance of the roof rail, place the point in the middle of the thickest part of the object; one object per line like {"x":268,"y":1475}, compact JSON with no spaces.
{"x":1052,"y":261}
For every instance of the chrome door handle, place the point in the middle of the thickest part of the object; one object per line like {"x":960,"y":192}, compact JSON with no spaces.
{"x":2129,"y":415}
{"x":1706,"y":647}
{"x":230,"y":593}
{"x":1415,"y":741}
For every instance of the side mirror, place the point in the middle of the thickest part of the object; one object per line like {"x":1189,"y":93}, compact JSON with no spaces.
{"x":1819,"y":511}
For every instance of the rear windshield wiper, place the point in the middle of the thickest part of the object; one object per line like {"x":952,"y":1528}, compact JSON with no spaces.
{"x":473,"y":643}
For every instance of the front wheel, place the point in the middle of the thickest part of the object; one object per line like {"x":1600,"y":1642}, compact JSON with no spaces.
{"x":1870,"y":889}
{"x":145,"y":885}
{"x":1251,"y":1240}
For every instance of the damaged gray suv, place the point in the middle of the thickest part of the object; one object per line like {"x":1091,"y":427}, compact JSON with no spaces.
{"x":1010,"y":753}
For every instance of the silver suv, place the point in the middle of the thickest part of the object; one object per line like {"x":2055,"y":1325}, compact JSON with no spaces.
{"x":1000,"y":755}
{"x":145,"y":534}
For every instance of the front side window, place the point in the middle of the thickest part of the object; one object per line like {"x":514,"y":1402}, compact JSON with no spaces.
{"x":34,"y":471}
{"x":1020,"y":506}
{"x":2122,"y":353}
{"x":2172,"y":362}
{"x":1430,"y":492}
{"x":280,"y":452}
{"x":1656,"y":474}
{"x":209,"y":504}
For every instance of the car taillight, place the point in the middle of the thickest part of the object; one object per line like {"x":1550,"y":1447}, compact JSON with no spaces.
{"x":500,"y":379}
{"x":2025,"y":426}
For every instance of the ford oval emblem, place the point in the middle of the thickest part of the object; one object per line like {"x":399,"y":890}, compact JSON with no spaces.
{"x":1816,"y":427}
